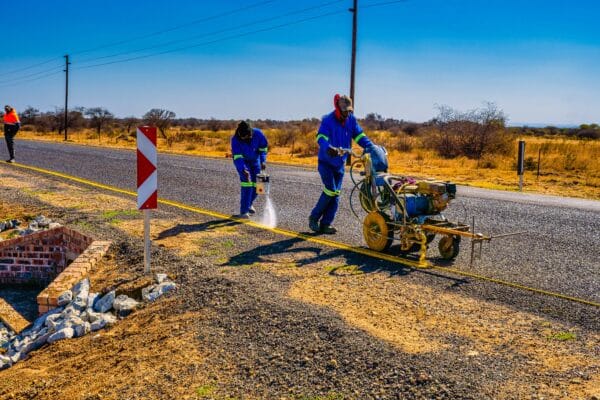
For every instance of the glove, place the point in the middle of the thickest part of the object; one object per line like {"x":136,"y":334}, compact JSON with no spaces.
{"x":332,"y":151}
{"x":247,"y":173}
{"x":263,"y":165}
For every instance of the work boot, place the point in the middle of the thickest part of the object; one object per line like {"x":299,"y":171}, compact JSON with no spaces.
{"x":313,"y":224}
{"x":328,"y":229}
{"x":252,"y":210}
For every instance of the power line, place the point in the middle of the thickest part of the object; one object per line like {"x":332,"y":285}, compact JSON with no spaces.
{"x":214,"y":32}
{"x":212,"y":17}
{"x":27,"y":76}
{"x":26,"y":68}
{"x":383,"y":3}
{"x":215,"y":41}
{"x":31,"y":80}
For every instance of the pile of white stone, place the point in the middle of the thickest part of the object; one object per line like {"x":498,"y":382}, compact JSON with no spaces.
{"x":79,"y":312}
{"x":9,"y":224}
{"x":39,"y":223}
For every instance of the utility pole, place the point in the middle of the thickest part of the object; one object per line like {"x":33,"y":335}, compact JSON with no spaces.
{"x":66,"y":94}
{"x":354,"y":11}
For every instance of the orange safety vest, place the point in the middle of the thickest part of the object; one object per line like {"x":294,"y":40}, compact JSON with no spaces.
{"x":11,"y":118}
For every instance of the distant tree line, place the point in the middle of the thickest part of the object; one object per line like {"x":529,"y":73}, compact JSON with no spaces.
{"x":451,"y":133}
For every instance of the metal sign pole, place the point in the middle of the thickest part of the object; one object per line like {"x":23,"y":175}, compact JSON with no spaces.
{"x":147,"y":241}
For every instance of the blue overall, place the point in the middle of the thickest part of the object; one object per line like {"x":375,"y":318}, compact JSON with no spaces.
{"x":331,"y":168}
{"x":247,"y":156}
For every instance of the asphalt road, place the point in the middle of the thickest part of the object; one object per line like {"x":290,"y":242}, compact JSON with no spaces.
{"x":559,"y":252}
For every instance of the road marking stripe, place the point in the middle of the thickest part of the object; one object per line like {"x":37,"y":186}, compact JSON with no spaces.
{"x":316,"y":239}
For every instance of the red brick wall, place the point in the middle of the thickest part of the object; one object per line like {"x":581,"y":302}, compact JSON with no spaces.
{"x":38,"y":258}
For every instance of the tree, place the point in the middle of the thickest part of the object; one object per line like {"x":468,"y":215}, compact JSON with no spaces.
{"x":471,"y":133}
{"x":160,"y":118}
{"x":98,"y":118}
{"x":129,"y":123}
{"x":29,"y":115}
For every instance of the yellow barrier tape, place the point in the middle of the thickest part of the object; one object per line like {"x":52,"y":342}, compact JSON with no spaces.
{"x":319,"y":240}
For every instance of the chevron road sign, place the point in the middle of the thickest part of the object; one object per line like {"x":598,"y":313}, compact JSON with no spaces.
{"x":147,"y":182}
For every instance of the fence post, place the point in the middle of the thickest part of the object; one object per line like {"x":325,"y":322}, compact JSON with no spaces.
{"x":521,"y":164}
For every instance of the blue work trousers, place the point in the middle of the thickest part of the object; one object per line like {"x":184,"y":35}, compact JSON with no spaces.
{"x":329,"y":201}
{"x":248,"y":189}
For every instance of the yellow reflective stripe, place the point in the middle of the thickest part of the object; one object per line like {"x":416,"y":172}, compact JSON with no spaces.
{"x":331,"y":193}
{"x":236,"y":156}
{"x":320,"y":135}
{"x":247,"y":184}
{"x":263,"y":149}
{"x":356,"y":139}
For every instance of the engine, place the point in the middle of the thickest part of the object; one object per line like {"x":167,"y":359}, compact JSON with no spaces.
{"x":426,"y":197}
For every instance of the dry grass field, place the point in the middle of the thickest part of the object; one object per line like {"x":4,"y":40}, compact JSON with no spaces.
{"x":567,"y":167}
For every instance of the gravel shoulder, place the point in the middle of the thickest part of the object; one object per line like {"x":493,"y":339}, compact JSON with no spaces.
{"x":259,"y":315}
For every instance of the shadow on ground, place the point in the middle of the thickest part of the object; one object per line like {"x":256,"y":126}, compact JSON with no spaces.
{"x":23,"y":300}
{"x":191,"y":228}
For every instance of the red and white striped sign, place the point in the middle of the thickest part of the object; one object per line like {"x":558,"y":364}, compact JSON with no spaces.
{"x":147,"y":178}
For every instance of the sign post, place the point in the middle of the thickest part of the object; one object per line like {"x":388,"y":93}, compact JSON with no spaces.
{"x":521,"y":164}
{"x":147,"y":182}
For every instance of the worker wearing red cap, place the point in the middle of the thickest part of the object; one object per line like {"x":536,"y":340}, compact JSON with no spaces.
{"x":11,"y":127}
{"x":337,"y":131}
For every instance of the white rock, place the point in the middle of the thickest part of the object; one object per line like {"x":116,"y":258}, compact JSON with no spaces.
{"x":166,"y":287}
{"x":66,"y":333}
{"x":160,"y":278}
{"x":105,"y":303}
{"x":81,"y":288}
{"x":65,"y":298}
{"x":53,"y":225}
{"x":52,"y":321}
{"x":41,"y":320}
{"x":83,"y":329}
{"x":124,"y":303}
{"x":92,"y":298}
{"x":103,"y":320}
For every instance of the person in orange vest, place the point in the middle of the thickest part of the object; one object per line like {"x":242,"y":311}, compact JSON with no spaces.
{"x":11,"y":127}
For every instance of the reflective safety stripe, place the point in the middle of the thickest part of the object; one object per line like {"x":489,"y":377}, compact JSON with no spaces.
{"x":247,"y":184}
{"x":263,"y":149}
{"x":362,"y":135}
{"x":320,"y":135}
{"x":236,"y":156}
{"x":331,"y":193}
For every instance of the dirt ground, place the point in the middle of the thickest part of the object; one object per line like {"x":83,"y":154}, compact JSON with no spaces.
{"x":260,"y":316}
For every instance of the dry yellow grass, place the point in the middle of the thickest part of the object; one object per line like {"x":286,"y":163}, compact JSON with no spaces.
{"x":568,"y":167}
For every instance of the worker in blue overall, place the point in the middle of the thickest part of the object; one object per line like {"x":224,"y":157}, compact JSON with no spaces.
{"x":336,"y":132}
{"x":249,"y":151}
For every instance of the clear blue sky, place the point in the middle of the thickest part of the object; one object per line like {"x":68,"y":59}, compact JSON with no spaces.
{"x":537,"y":60}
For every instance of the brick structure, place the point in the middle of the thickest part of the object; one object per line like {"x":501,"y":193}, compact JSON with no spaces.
{"x":39,"y":257}
{"x":57,"y":258}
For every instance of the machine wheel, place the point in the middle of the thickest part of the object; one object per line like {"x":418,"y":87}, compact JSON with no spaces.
{"x":449,"y":247}
{"x":377,"y":232}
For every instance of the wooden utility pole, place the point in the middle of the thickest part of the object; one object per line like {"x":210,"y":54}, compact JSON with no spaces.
{"x":354,"y":11}
{"x":66,"y":94}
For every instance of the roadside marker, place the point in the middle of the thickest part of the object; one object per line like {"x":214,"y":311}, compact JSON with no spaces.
{"x":147,"y":182}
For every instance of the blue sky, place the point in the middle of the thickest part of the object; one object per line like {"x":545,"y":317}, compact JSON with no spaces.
{"x":537,"y":60}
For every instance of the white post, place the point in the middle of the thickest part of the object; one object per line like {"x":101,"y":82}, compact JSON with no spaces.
{"x":147,"y":241}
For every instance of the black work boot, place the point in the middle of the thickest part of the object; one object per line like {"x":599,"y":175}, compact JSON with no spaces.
{"x":328,"y":229}
{"x":313,"y":224}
